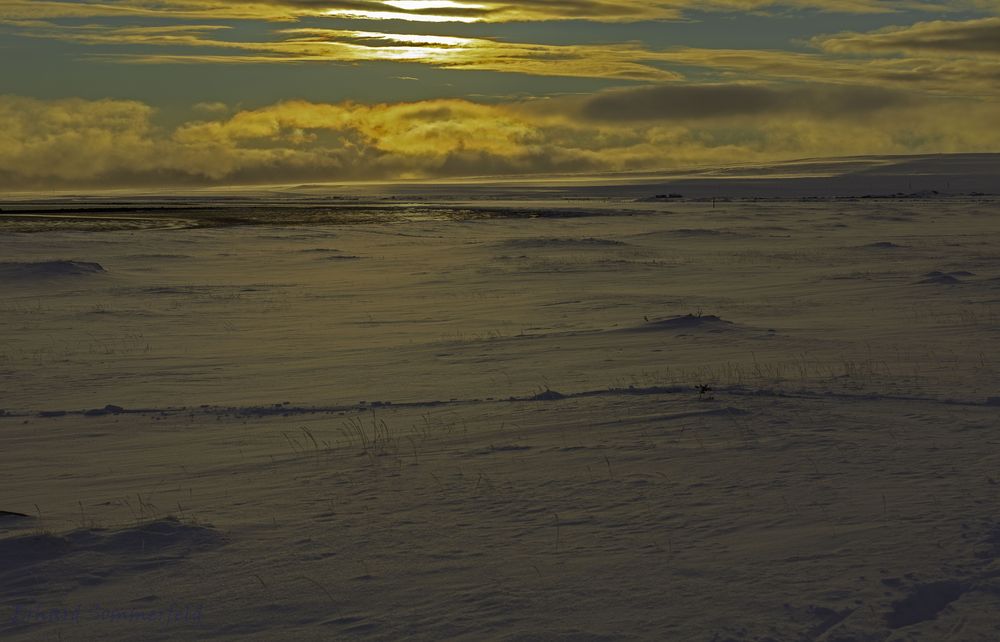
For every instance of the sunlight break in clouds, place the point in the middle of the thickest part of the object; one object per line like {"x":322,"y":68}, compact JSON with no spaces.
{"x":413,"y":11}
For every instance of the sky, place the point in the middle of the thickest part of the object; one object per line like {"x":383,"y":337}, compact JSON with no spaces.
{"x":160,"y":93}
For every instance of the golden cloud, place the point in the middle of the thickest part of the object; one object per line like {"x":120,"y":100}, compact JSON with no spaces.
{"x":77,"y":143}
{"x":624,"y":61}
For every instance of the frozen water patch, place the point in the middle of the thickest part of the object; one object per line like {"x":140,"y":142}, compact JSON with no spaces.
{"x":924,"y":603}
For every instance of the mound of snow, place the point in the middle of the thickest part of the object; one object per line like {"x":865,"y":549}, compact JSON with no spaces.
{"x":48,"y":269}
{"x":941,"y":279}
{"x":698,"y":231}
{"x":110,"y":409}
{"x":10,"y":520}
{"x":937,"y":273}
{"x":165,"y":537}
{"x":169,"y":533}
{"x":688,"y":322}
{"x":548,"y":395}
{"x":560,"y":243}
{"x":924,"y":603}
{"x":26,"y":550}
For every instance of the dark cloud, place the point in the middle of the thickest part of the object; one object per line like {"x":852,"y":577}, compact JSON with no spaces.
{"x":699,"y":102}
{"x":968,"y":37}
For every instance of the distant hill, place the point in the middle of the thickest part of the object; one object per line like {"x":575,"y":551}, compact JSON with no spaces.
{"x":918,"y":176}
{"x":923,"y":176}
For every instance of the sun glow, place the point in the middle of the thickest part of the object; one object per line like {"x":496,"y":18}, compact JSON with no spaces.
{"x":398,"y":53}
{"x":412,"y":5}
{"x":441,"y":41}
{"x":417,"y":5}
{"x":438,"y":49}
{"x":393,"y":15}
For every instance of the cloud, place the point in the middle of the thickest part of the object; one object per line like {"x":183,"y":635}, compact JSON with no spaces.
{"x":455,"y":10}
{"x":958,"y":57}
{"x":715,"y":101}
{"x":836,"y":62}
{"x":102,"y":144}
{"x":211,"y":108}
{"x":927,"y":87}
{"x":73,"y":139}
{"x":953,"y":76}
{"x":623,"y":61}
{"x":971,"y":37}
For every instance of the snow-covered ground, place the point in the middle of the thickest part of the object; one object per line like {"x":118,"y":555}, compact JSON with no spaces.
{"x":491,"y":428}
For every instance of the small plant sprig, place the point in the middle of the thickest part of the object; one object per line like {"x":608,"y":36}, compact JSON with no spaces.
{"x":375,"y":439}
